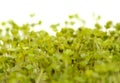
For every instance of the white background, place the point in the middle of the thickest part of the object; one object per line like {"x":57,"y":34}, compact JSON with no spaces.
{"x":53,"y":11}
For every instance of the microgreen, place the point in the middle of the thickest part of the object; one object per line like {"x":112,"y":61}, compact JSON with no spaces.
{"x":71,"y":56}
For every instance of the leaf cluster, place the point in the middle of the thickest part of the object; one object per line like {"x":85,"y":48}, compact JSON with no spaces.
{"x":71,"y":56}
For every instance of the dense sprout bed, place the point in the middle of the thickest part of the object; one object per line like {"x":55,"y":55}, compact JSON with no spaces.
{"x":71,"y":56}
